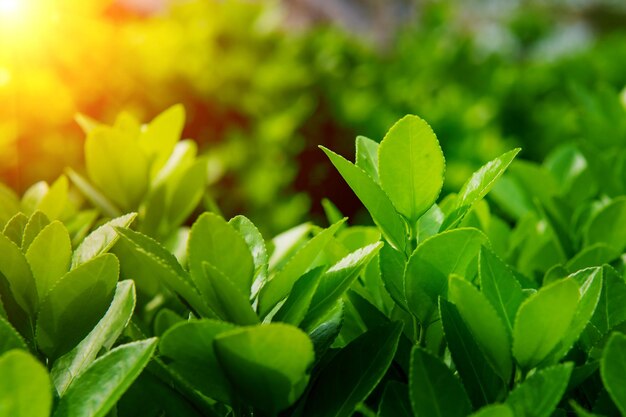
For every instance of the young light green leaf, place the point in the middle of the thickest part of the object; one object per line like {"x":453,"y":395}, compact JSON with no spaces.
{"x":25,"y":389}
{"x":484,"y":323}
{"x":339,"y":278}
{"x":96,"y":391}
{"x":482,"y":384}
{"x":428,"y":268}
{"x":215,"y":241}
{"x":373,"y":198}
{"x":17,"y":272}
{"x":9,"y":337}
{"x":94,"y":195}
{"x":75,"y":304}
{"x":54,"y":201}
{"x":68,"y":367}
{"x":35,"y":225}
{"x":367,"y":156}
{"x":14,"y":229}
{"x":49,"y":256}
{"x":267,"y":365}
{"x":433,"y":388}
{"x":185,"y":194}
{"x":540,"y":393}
{"x":481,"y":181}
{"x":226,"y":299}
{"x":613,"y":370}
{"x":281,"y":284}
{"x":190,"y":347}
{"x":411,"y":167}
{"x":161,"y":134}
{"x":543,"y":320}
{"x":500,"y":286}
{"x":100,"y":240}
{"x":353,"y":373}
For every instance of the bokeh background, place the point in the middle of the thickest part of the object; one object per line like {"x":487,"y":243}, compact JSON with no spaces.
{"x":265,"y":82}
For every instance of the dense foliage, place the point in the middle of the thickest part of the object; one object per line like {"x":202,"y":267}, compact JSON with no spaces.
{"x":448,"y":306}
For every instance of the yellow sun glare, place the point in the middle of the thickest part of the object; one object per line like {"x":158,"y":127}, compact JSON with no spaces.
{"x":10,"y":9}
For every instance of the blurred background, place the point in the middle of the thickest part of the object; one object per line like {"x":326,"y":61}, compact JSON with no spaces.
{"x":265,"y":82}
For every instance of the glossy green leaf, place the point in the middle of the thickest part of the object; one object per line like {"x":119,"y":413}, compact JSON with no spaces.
{"x":540,"y":393}
{"x":215,"y":241}
{"x":226,"y":299}
{"x":353,"y":373}
{"x":373,"y":198}
{"x":433,"y":388}
{"x":117,"y":166}
{"x":610,"y":310}
{"x":484,"y":323}
{"x":267,"y":365}
{"x":189,"y":345}
{"x":186,"y":193}
{"x":543,"y":320}
{"x":392,"y":265}
{"x":75,"y":304}
{"x":428,"y":268}
{"x":367,"y":156}
{"x":100,"y":240}
{"x":68,"y":367}
{"x":482,"y":384}
{"x":297,"y":304}
{"x":499,"y":285}
{"x":395,"y":401}
{"x":16,"y":270}
{"x":411,"y":167}
{"x":49,"y":256}
{"x":96,"y":391}
{"x":336,"y":281}
{"x":10,"y":338}
{"x":613,"y":370}
{"x":25,"y":389}
{"x":256,"y":245}
{"x":481,"y":182}
{"x":281,"y":284}
{"x":608,"y":225}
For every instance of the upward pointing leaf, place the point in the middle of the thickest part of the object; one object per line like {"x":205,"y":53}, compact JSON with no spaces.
{"x":367,"y":156}
{"x":411,"y":167}
{"x":613,"y":370}
{"x":373,"y":198}
{"x":100,"y":240}
{"x":24,"y":387}
{"x":433,"y":389}
{"x":17,"y":272}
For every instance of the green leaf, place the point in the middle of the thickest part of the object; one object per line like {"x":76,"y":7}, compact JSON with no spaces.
{"x":160,"y":136}
{"x":16,"y":270}
{"x":495,"y":410}
{"x":297,"y":303}
{"x":256,"y":245}
{"x":608,"y":225}
{"x":481,"y":181}
{"x":336,"y":281}
{"x":104,"y":334}
{"x":484,"y":323}
{"x":226,"y":299}
{"x":543,"y":320}
{"x":590,"y":281}
{"x":367,"y":156}
{"x":35,"y":225}
{"x":267,"y":365}
{"x":540,"y":393}
{"x":75,"y":304}
{"x":96,"y":391}
{"x":10,"y":338}
{"x":428,"y":268}
{"x":54,"y":201}
{"x":613,"y":370}
{"x":215,"y":241}
{"x":25,"y":389}
{"x":499,"y":285}
{"x":353,"y":373}
{"x":395,"y":401}
{"x":117,"y":166}
{"x":49,"y":256}
{"x":190,"y":347}
{"x":392,"y":265}
{"x":597,"y":254}
{"x":433,"y":388}
{"x":411,"y":167}
{"x":185,"y":194}
{"x":482,"y":384}
{"x":373,"y":198}
{"x":100,"y":240}
{"x":610,"y":310}
{"x":281,"y":284}
{"x":14,"y":229}
{"x":94,"y":195}
{"x":144,"y":260}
